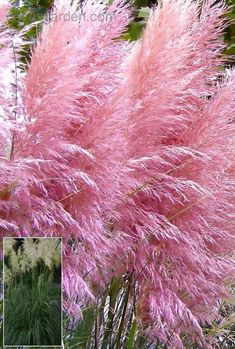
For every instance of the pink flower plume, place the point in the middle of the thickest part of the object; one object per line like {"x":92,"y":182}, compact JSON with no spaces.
{"x":61,"y":157}
{"x":174,"y":214}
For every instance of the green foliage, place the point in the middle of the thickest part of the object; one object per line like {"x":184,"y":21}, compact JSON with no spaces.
{"x":30,"y":11}
{"x":81,"y":336}
{"x":132,"y":334}
{"x":34,"y":11}
{"x":113,"y":323}
{"x":21,"y":16}
{"x":32,"y":298}
{"x":31,"y":316}
{"x":136,"y":27}
{"x":229,"y":36}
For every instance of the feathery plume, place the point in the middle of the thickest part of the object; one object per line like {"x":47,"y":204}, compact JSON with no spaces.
{"x":178,"y":210}
{"x":62,"y":156}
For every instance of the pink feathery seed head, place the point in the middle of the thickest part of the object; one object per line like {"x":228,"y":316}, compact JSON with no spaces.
{"x":176,"y":214}
{"x":173,"y":66}
{"x":6,"y":60}
{"x":4,"y":9}
{"x":82,"y":75}
{"x":65,"y":170}
{"x":77,"y":64}
{"x":11,"y":82}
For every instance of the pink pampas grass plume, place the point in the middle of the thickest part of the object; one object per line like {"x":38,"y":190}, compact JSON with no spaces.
{"x":6,"y":76}
{"x":63,"y":152}
{"x":4,"y":8}
{"x":178,"y":209}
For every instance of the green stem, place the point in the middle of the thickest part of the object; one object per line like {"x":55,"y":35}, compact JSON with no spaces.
{"x":113,"y":292}
{"x":132,"y":333}
{"x":124,"y":306}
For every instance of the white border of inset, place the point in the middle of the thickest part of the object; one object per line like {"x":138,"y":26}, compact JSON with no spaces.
{"x":61,"y":256}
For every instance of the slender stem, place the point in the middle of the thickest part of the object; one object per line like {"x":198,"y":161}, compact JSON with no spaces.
{"x":16,"y":98}
{"x":124,"y":305}
{"x":113,"y":292}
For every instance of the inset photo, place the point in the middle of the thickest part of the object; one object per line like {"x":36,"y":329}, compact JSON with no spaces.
{"x":32,"y":301}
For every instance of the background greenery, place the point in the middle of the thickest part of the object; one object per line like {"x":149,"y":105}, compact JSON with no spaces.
{"x":32,"y":291}
{"x":34,"y":10}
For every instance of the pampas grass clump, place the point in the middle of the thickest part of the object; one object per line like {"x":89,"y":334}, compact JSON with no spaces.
{"x":127,"y":152}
